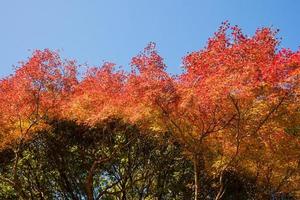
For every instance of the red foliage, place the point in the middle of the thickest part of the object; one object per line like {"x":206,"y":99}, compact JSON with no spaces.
{"x":232,"y":68}
{"x":36,"y":91}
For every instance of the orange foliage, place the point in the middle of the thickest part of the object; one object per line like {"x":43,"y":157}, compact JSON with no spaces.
{"x":36,"y":91}
{"x":235,"y":90}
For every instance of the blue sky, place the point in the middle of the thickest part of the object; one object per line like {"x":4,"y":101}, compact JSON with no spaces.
{"x":94,"y":31}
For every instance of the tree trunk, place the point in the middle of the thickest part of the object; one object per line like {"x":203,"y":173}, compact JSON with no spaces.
{"x":124,"y":194}
{"x":89,"y":182}
{"x":17,"y":185}
{"x":222,"y":188}
{"x":199,"y":164}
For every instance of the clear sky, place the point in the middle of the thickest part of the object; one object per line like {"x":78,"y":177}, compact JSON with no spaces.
{"x":92,"y":31}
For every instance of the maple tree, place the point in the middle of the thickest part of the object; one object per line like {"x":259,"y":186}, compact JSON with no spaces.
{"x":33,"y":94}
{"x":235,"y":106}
{"x":235,"y":89}
{"x":231,"y":91}
{"x":36,"y":91}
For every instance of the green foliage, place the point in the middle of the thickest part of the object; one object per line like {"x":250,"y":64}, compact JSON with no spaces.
{"x":56,"y":163}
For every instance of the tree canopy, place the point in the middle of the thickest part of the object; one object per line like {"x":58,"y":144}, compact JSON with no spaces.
{"x":230,"y":119}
